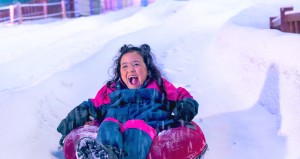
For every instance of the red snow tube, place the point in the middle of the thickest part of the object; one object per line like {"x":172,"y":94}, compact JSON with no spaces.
{"x":184,"y":142}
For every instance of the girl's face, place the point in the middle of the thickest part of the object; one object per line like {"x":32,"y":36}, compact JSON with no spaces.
{"x":133,"y":70}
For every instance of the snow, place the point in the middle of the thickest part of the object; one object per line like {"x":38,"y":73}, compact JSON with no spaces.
{"x":245,"y":76}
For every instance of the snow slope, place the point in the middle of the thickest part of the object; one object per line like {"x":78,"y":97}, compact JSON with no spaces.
{"x":244,"y":75}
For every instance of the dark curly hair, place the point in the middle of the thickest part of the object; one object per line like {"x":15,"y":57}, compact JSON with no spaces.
{"x":145,"y":51}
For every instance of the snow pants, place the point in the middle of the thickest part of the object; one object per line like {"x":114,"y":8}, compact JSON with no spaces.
{"x":134,"y":136}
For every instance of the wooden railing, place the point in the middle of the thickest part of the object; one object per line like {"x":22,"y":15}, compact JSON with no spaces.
{"x":287,"y":21}
{"x":17,"y":13}
{"x":21,"y":12}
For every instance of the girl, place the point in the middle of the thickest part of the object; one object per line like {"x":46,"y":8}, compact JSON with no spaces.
{"x":133,"y":107}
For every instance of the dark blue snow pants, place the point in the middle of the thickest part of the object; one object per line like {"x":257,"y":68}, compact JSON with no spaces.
{"x":134,"y":136}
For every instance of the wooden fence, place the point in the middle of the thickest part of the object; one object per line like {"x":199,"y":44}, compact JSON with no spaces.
{"x":17,"y":13}
{"x":31,"y":11}
{"x":287,"y":21}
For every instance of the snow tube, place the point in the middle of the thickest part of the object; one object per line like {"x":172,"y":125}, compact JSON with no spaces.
{"x":184,"y":142}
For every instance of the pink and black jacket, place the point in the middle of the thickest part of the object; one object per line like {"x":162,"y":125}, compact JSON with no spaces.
{"x":146,"y":103}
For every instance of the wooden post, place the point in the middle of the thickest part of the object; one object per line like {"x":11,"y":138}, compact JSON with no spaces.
{"x":63,"y":9}
{"x":12,"y":14}
{"x":297,"y":25}
{"x":71,"y":8}
{"x":19,"y":12}
{"x":45,"y":8}
{"x":284,"y":26}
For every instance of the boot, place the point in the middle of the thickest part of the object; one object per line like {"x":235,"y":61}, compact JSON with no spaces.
{"x":89,"y":148}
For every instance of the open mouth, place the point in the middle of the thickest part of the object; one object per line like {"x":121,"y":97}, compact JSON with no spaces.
{"x":133,"y":80}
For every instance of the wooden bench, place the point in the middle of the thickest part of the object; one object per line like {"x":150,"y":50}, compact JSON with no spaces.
{"x":287,"y":21}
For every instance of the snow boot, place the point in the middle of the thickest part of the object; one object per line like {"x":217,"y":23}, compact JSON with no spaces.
{"x":89,"y":148}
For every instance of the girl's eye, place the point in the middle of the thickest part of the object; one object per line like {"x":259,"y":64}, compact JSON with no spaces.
{"x":125,"y":66}
{"x":136,"y":64}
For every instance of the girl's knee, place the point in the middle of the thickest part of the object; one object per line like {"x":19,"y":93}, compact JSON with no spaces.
{"x":140,"y":125}
{"x":109,"y":133}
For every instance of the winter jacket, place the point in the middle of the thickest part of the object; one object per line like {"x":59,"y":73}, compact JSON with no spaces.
{"x":146,"y":103}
